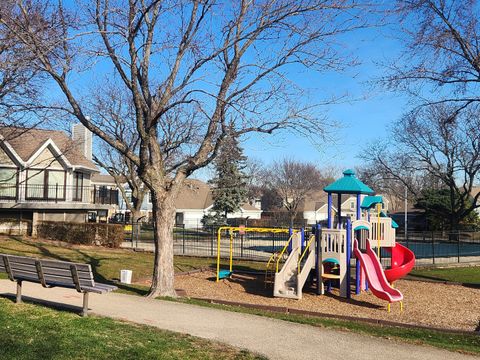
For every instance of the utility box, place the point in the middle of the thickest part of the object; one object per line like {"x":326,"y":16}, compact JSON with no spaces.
{"x":126,"y":276}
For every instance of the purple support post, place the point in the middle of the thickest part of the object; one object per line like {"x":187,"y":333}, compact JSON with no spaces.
{"x":329,"y":221}
{"x":339,"y":210}
{"x":357,"y":263}
{"x":358,"y":207}
{"x":302,"y":241}
{"x":290,"y":244}
{"x":357,"y":277}
{"x":349,"y":255}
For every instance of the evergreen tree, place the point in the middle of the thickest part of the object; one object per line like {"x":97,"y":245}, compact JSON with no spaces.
{"x":230,"y":182}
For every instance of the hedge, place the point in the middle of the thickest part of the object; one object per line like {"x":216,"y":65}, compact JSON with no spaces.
{"x":109,"y":235}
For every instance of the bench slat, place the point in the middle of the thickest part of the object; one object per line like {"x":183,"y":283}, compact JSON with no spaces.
{"x":25,"y":275}
{"x":66,"y":280}
{"x":99,"y":288}
{"x":62,"y":272}
{"x":49,"y":263}
{"x":48,"y":270}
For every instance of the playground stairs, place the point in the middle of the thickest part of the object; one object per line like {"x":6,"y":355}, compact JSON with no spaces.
{"x":286,"y":279}
{"x":289,"y":281}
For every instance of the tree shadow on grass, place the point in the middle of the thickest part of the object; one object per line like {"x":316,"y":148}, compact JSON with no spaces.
{"x":83,"y":257}
{"x":95,"y":263}
{"x":67,"y":308}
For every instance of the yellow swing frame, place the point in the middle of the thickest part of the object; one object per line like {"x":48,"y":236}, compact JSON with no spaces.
{"x":232,"y":230}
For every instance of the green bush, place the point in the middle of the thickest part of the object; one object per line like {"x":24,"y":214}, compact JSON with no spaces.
{"x":109,"y":235}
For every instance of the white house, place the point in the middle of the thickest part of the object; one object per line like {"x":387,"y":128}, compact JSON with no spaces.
{"x":194,"y":201}
{"x":315,"y":206}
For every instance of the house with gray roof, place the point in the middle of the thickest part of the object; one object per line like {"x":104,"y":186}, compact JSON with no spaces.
{"x":45,"y":175}
{"x":193,"y":202}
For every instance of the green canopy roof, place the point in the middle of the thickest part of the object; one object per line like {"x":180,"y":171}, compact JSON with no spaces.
{"x":348,"y":184}
{"x":370,"y":201}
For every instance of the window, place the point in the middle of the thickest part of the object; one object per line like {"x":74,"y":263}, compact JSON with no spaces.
{"x":352,"y":205}
{"x":77,"y":186}
{"x":8,"y":183}
{"x":46,"y":184}
{"x":35,"y":184}
{"x":56,"y":184}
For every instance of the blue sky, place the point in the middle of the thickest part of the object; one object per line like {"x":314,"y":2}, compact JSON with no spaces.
{"x":363,"y":119}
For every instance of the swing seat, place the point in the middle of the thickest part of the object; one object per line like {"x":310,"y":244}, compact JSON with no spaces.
{"x":224,"y":274}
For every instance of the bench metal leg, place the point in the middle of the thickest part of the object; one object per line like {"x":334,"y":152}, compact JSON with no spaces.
{"x":19,"y":292}
{"x":85,"y":304}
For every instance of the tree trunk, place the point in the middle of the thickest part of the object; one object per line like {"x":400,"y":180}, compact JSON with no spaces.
{"x":163,"y":270}
{"x":136,"y":215}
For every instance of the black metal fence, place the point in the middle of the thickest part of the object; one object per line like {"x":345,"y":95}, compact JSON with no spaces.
{"x":203,"y":242}
{"x":442,"y":247}
{"x":429,"y":247}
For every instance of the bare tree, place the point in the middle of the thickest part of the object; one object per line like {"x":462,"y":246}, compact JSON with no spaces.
{"x":18,"y":80}
{"x":116,"y":110}
{"x":203,"y":61}
{"x":442,"y":51}
{"x":435,"y":147}
{"x":124,"y":174}
{"x":293,"y":181}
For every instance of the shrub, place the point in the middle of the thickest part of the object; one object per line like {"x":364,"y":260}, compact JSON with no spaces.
{"x":109,"y":235}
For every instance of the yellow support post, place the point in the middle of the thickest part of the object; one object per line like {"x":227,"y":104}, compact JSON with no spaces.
{"x":219,"y":234}
{"x":231,"y":250}
{"x":401,"y":306}
{"x":388,"y":307}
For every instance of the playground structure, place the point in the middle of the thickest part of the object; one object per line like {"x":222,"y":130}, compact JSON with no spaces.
{"x":326,"y":256}
{"x":329,"y":257}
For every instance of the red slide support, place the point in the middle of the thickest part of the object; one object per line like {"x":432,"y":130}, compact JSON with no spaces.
{"x":403,"y":261}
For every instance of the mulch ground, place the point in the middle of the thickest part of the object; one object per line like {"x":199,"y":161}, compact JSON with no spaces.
{"x":425,"y":303}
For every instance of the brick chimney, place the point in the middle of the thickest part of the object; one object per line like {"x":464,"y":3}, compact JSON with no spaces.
{"x":83,"y":137}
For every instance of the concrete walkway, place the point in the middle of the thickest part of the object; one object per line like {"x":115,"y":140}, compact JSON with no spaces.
{"x":273,"y":338}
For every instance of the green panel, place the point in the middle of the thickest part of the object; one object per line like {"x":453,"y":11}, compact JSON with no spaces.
{"x":370,"y":201}
{"x":331,"y":260}
{"x":361,"y":227}
{"x":348,"y":184}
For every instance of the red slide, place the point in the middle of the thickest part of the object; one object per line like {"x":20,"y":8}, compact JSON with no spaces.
{"x":377,"y":281}
{"x":403,"y":261}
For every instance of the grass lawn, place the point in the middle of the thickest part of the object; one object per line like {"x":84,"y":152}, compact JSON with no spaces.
{"x":107,"y":263}
{"x":466,"y":275}
{"x":36,"y":332}
{"x":445,"y":340}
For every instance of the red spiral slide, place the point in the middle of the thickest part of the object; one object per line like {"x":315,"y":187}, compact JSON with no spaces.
{"x":403,"y":261}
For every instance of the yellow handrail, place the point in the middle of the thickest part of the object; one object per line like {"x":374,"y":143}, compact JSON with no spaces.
{"x":270,"y":260}
{"x":312,"y":237}
{"x":283,"y":250}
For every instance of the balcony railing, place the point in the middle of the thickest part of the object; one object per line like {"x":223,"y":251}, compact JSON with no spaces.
{"x":58,"y":193}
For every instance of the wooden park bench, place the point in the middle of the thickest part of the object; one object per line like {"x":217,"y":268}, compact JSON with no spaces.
{"x":52,"y":273}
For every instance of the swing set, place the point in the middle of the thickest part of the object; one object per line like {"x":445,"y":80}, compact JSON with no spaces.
{"x":241,"y":230}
